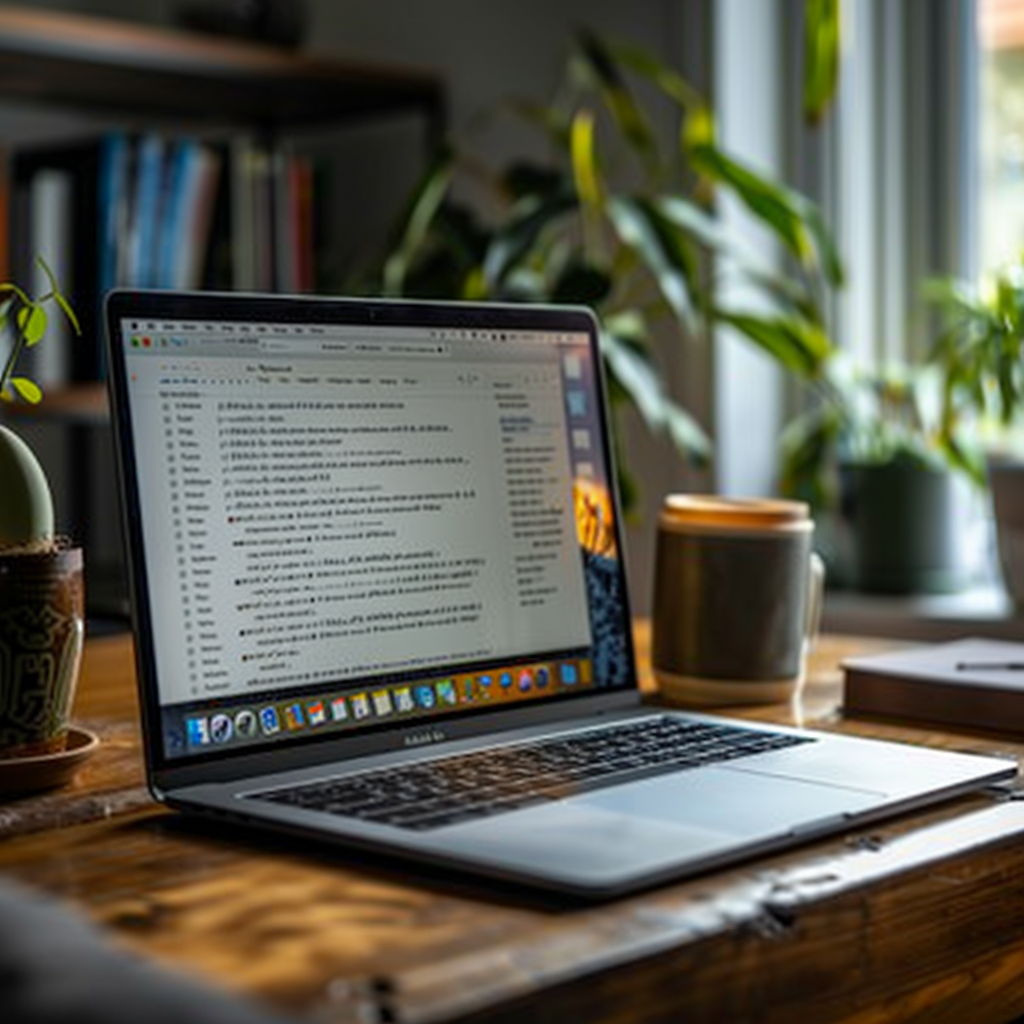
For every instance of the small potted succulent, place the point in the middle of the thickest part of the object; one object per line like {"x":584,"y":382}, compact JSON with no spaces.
{"x":41,"y":587}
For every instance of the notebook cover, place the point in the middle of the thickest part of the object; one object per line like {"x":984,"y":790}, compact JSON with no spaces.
{"x":969,"y":683}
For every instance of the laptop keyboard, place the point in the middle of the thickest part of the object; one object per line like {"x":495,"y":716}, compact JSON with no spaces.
{"x":451,"y":790}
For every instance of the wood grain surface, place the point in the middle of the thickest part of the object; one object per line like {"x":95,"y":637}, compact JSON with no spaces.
{"x":921,"y":917}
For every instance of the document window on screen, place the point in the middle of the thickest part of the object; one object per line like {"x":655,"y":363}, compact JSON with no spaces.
{"x":335,"y":516}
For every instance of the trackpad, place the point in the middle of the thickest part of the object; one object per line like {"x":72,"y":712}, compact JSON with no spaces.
{"x":737,"y":803}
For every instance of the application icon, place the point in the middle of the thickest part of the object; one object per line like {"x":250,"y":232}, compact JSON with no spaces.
{"x":505,"y":680}
{"x":339,"y":709}
{"x":221,"y":729}
{"x":245,"y":724}
{"x":198,"y":731}
{"x":269,"y":720}
{"x":293,"y":716}
{"x":360,"y":705}
{"x":484,"y":681}
{"x":542,"y":676}
{"x":446,"y":691}
{"x":403,"y":699}
{"x":382,"y":702}
{"x":525,"y":681}
{"x":567,"y":673}
{"x":425,"y":697}
{"x":577,"y":402}
{"x":581,"y":439}
{"x":317,"y":712}
{"x":467,"y":689}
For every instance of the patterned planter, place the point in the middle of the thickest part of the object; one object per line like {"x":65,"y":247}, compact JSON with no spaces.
{"x":42,"y":629}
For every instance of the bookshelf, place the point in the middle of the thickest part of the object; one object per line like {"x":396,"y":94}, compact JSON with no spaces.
{"x":100,"y":65}
{"x":144,"y":79}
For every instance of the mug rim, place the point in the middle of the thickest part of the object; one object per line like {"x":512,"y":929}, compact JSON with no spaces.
{"x":716,"y":512}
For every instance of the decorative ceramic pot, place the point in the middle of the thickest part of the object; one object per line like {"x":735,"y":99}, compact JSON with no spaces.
{"x":42,"y":630}
{"x":903,"y":520}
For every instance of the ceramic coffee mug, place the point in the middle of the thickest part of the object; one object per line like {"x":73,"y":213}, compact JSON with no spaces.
{"x":42,"y":629}
{"x":737,"y":598}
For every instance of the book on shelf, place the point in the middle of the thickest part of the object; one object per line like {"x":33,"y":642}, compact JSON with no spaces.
{"x":971,"y":683}
{"x":156,"y":210}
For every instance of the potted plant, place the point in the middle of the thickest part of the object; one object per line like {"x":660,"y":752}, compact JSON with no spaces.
{"x":41,"y":598}
{"x":883,"y":467}
{"x":979,"y":352}
{"x":610,"y":218}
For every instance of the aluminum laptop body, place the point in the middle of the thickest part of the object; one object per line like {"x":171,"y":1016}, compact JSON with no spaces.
{"x":374,"y":541}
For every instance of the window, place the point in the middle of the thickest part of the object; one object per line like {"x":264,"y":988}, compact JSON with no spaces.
{"x":1001,"y":131}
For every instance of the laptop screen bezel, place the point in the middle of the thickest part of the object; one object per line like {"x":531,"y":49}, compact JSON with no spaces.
{"x":164,"y":773}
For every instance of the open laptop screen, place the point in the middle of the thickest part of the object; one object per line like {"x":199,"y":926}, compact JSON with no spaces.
{"x":347,"y":526}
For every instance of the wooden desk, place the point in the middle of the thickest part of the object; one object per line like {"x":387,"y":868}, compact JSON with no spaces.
{"x":920,"y":918}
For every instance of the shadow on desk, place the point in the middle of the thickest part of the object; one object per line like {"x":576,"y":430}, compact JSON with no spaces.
{"x":215,"y":844}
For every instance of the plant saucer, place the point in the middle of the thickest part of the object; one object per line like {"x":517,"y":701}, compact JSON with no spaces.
{"x":45,"y":771}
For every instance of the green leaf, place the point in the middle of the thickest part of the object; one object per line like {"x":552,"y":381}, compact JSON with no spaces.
{"x":600,"y":69}
{"x":637,"y":378}
{"x":423,"y":208}
{"x":790,"y":289}
{"x":798,"y":345}
{"x":828,"y":254}
{"x":634,"y":374}
{"x":687,"y":434}
{"x":28,"y":389}
{"x":58,"y":295}
{"x":667,"y":79}
{"x":518,"y":237}
{"x":821,"y":56}
{"x":32,"y":322}
{"x":769,"y":202}
{"x":584,"y":162}
{"x":663,"y":247}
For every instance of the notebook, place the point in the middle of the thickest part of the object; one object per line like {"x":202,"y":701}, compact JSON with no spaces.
{"x":379,"y":600}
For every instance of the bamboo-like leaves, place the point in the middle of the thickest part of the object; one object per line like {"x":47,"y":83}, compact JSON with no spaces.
{"x":423,"y":208}
{"x":530,"y":217}
{"x":638,"y":240}
{"x":598,"y":67}
{"x":633,"y":372}
{"x":799,"y":345}
{"x":792,"y":218}
{"x":664,"y":248}
{"x":821,"y":56}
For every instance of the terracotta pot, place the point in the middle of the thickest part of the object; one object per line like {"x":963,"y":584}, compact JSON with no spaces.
{"x":42,"y":630}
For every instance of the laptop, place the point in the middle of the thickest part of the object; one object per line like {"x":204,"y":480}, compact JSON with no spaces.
{"x":379,"y":599}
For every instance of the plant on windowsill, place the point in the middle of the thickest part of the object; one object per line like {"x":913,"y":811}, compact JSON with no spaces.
{"x":41,"y":594}
{"x":613,"y":219}
{"x":885,"y":471}
{"x":980,"y":352}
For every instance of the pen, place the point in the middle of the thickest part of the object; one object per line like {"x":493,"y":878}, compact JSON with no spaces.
{"x":993,"y":666}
